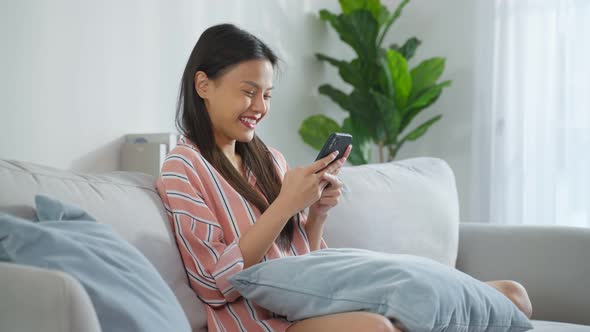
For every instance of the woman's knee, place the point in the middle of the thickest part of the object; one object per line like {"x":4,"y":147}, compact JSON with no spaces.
{"x":346,"y":321}
{"x":377,"y":323}
{"x":381,"y":323}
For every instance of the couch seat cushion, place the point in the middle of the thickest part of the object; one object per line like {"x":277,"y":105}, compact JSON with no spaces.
{"x":545,"y":326}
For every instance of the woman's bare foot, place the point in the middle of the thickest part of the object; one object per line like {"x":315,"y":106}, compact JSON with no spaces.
{"x":516,"y":293}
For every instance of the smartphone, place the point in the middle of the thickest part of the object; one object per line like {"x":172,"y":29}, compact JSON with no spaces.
{"x":335,"y":142}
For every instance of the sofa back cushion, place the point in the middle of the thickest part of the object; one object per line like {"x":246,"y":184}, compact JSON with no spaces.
{"x":127,"y":201}
{"x":126,"y":291}
{"x":402,"y":207}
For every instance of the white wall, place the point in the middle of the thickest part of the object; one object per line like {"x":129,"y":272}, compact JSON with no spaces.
{"x":447,"y":29}
{"x":76,"y":76}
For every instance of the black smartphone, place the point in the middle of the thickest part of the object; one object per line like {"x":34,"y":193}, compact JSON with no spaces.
{"x":335,"y":142}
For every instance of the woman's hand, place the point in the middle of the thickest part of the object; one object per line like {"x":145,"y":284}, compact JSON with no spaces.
{"x":302,"y":185}
{"x":332,"y":190}
{"x":329,"y":198}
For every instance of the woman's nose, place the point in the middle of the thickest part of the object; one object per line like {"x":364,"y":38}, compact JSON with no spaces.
{"x":259,"y":104}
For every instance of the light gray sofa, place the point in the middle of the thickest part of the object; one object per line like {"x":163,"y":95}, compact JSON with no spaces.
{"x":418,"y":214}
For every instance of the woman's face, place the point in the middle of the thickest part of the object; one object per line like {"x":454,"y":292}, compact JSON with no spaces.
{"x":237,"y":100}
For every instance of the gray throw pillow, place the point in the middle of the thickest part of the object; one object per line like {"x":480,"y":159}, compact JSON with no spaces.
{"x":127,"y":292}
{"x":420,"y":293}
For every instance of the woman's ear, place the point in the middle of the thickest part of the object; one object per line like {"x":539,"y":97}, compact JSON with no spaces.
{"x":201,"y":84}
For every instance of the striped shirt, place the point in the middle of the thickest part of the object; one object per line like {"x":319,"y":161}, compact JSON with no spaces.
{"x":208,"y":217}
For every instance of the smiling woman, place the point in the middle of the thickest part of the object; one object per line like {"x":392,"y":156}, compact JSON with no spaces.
{"x":231,"y":200}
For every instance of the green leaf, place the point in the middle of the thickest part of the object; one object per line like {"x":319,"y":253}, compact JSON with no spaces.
{"x":409,"y":48}
{"x":326,"y":15}
{"x":426,"y":74}
{"x":351,"y":72}
{"x":336,"y":95}
{"x":383,"y":16}
{"x":402,"y":81}
{"x":361,"y":134}
{"x":334,"y":62}
{"x":356,"y":104}
{"x":359,"y":155}
{"x":373,"y":6}
{"x":315,"y":130}
{"x":358,"y":29}
{"x":391,"y":19}
{"x":427,"y":97}
{"x":421,"y":130}
{"x":361,"y":33}
{"x":385,"y":79}
{"x":361,"y":147}
{"x":362,"y":104}
{"x":391,"y":118}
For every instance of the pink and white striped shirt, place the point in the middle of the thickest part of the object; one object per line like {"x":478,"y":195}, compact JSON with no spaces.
{"x":208,"y":217}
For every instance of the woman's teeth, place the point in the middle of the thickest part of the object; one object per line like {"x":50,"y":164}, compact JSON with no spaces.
{"x":250,"y":123}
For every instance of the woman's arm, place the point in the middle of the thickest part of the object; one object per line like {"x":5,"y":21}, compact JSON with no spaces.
{"x":262,"y":234}
{"x":315,"y":229}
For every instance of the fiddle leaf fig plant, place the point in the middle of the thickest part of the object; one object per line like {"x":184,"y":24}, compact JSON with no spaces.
{"x":386,"y":94}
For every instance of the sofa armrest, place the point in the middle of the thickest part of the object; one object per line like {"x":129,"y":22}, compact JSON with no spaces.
{"x":550,"y":261}
{"x":34,"y":299}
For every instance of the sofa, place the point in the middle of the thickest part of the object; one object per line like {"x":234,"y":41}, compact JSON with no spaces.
{"x":407,"y":206}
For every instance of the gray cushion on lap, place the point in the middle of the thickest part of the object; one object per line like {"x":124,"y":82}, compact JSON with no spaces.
{"x":422,"y":294}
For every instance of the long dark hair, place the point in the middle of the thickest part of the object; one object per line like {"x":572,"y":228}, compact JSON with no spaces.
{"x":219,"y":48}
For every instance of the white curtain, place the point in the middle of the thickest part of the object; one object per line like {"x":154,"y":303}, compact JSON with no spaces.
{"x":531,"y":147}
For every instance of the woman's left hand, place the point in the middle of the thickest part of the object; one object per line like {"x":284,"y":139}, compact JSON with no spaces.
{"x":329,"y":199}
{"x":332,"y":191}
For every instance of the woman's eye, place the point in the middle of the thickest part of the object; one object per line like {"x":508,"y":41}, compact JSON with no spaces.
{"x":249,"y":93}
{"x":267,"y":97}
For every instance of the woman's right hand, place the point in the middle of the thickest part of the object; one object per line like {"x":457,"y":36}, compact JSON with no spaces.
{"x":301,"y":185}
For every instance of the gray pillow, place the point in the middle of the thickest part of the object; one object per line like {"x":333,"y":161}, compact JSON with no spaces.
{"x":127,"y":292}
{"x":420,"y":293}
